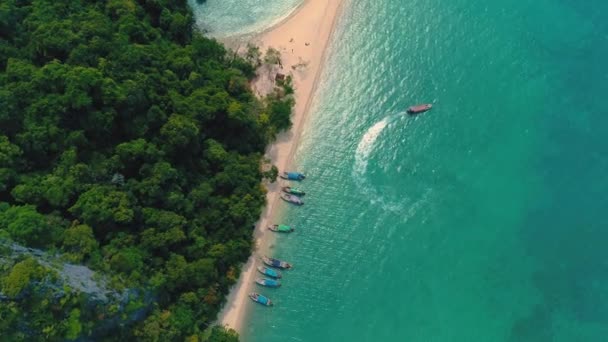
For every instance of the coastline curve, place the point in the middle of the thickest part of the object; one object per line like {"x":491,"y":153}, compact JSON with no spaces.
{"x":322,"y":16}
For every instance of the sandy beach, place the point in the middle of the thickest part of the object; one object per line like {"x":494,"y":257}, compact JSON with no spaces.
{"x":302,"y":39}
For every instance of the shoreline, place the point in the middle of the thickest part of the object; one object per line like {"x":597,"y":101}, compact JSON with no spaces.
{"x":301,"y":37}
{"x":253,"y":33}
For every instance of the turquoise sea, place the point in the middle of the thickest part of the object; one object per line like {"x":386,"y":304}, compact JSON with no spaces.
{"x":481,"y":220}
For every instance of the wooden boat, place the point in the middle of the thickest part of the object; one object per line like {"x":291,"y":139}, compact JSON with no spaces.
{"x":268,"y":282}
{"x":297,"y":176}
{"x":270,"y":272}
{"x":258,"y":298}
{"x":419,"y":108}
{"x":272,"y":262}
{"x":293,"y":191}
{"x":281,"y":228}
{"x":293,"y":199}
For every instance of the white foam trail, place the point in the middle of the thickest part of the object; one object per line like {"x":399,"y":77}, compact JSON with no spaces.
{"x":362,"y":155}
{"x":366,"y":145}
{"x":403,"y":206}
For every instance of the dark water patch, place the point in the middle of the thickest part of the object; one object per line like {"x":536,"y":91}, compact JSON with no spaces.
{"x":566,"y":226}
{"x":536,"y":327}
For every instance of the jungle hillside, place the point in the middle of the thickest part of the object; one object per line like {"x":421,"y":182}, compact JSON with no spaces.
{"x":130,"y":170}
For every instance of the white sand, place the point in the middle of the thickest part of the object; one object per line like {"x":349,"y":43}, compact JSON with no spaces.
{"x":301,"y":37}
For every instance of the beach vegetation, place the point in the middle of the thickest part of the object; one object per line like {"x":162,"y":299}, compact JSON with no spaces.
{"x":272,"y":57}
{"x":253,"y":55}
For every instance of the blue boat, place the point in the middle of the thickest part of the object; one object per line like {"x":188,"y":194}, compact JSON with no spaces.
{"x":297,"y":176}
{"x":269,"y":272}
{"x":258,"y":298}
{"x":268,"y":282}
{"x":272,"y":262}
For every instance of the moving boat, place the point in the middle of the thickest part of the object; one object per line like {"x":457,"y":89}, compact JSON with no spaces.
{"x":293,"y":191}
{"x":281,"y":228}
{"x":293,"y":199}
{"x":268,"y":282}
{"x":269,"y":272}
{"x":272,"y":262}
{"x":258,"y":298}
{"x":297,"y":176}
{"x":419,"y":108}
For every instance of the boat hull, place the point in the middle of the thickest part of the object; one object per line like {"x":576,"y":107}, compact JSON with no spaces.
{"x":292,"y":199}
{"x":258,"y":298}
{"x":293,"y":191}
{"x":269,"y":272}
{"x":276,"y":263}
{"x":281,"y":229}
{"x":268,"y":282}
{"x":419,"y":109}
{"x":295,"y":176}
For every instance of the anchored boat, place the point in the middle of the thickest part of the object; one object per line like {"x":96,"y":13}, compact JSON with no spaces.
{"x":268,"y":282}
{"x":293,"y":191}
{"x":419,"y":108}
{"x":272,"y":262}
{"x":258,"y":298}
{"x":293,"y":199}
{"x":269,"y":272}
{"x":281,"y":228}
{"x":297,"y":176}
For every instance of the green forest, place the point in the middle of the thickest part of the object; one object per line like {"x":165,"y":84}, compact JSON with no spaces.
{"x":132,"y":146}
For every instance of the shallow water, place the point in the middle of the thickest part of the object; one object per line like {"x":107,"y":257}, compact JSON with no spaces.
{"x":222,"y":18}
{"x":481,"y":220}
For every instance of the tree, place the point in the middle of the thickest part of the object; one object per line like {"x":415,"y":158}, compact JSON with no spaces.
{"x":253,"y":55}
{"x":104,"y":206}
{"x":270,"y":172}
{"x":179,"y":131}
{"x":222,"y":334}
{"x":272,"y":57}
{"x":280,"y":114}
{"x":9,"y":153}
{"x":157,"y":327}
{"x":201,"y":272}
{"x":9,"y":157}
{"x":135,"y":153}
{"x":79,"y":242}
{"x":25,"y":225}
{"x":21,"y":276}
{"x":73,"y":325}
{"x":163,"y":229}
{"x":158,"y":179}
{"x":127,"y":260}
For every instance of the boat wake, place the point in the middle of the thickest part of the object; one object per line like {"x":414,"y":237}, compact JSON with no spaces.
{"x":366,"y":145}
{"x":363,"y":154}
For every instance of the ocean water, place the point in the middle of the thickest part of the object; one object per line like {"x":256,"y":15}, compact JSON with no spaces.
{"x":223,"y":18}
{"x":481,"y":220}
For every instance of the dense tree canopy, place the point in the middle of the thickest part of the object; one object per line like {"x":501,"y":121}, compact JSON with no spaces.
{"x":131,"y":144}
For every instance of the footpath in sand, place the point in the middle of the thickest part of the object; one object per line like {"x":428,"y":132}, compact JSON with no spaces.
{"x":302,"y":39}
